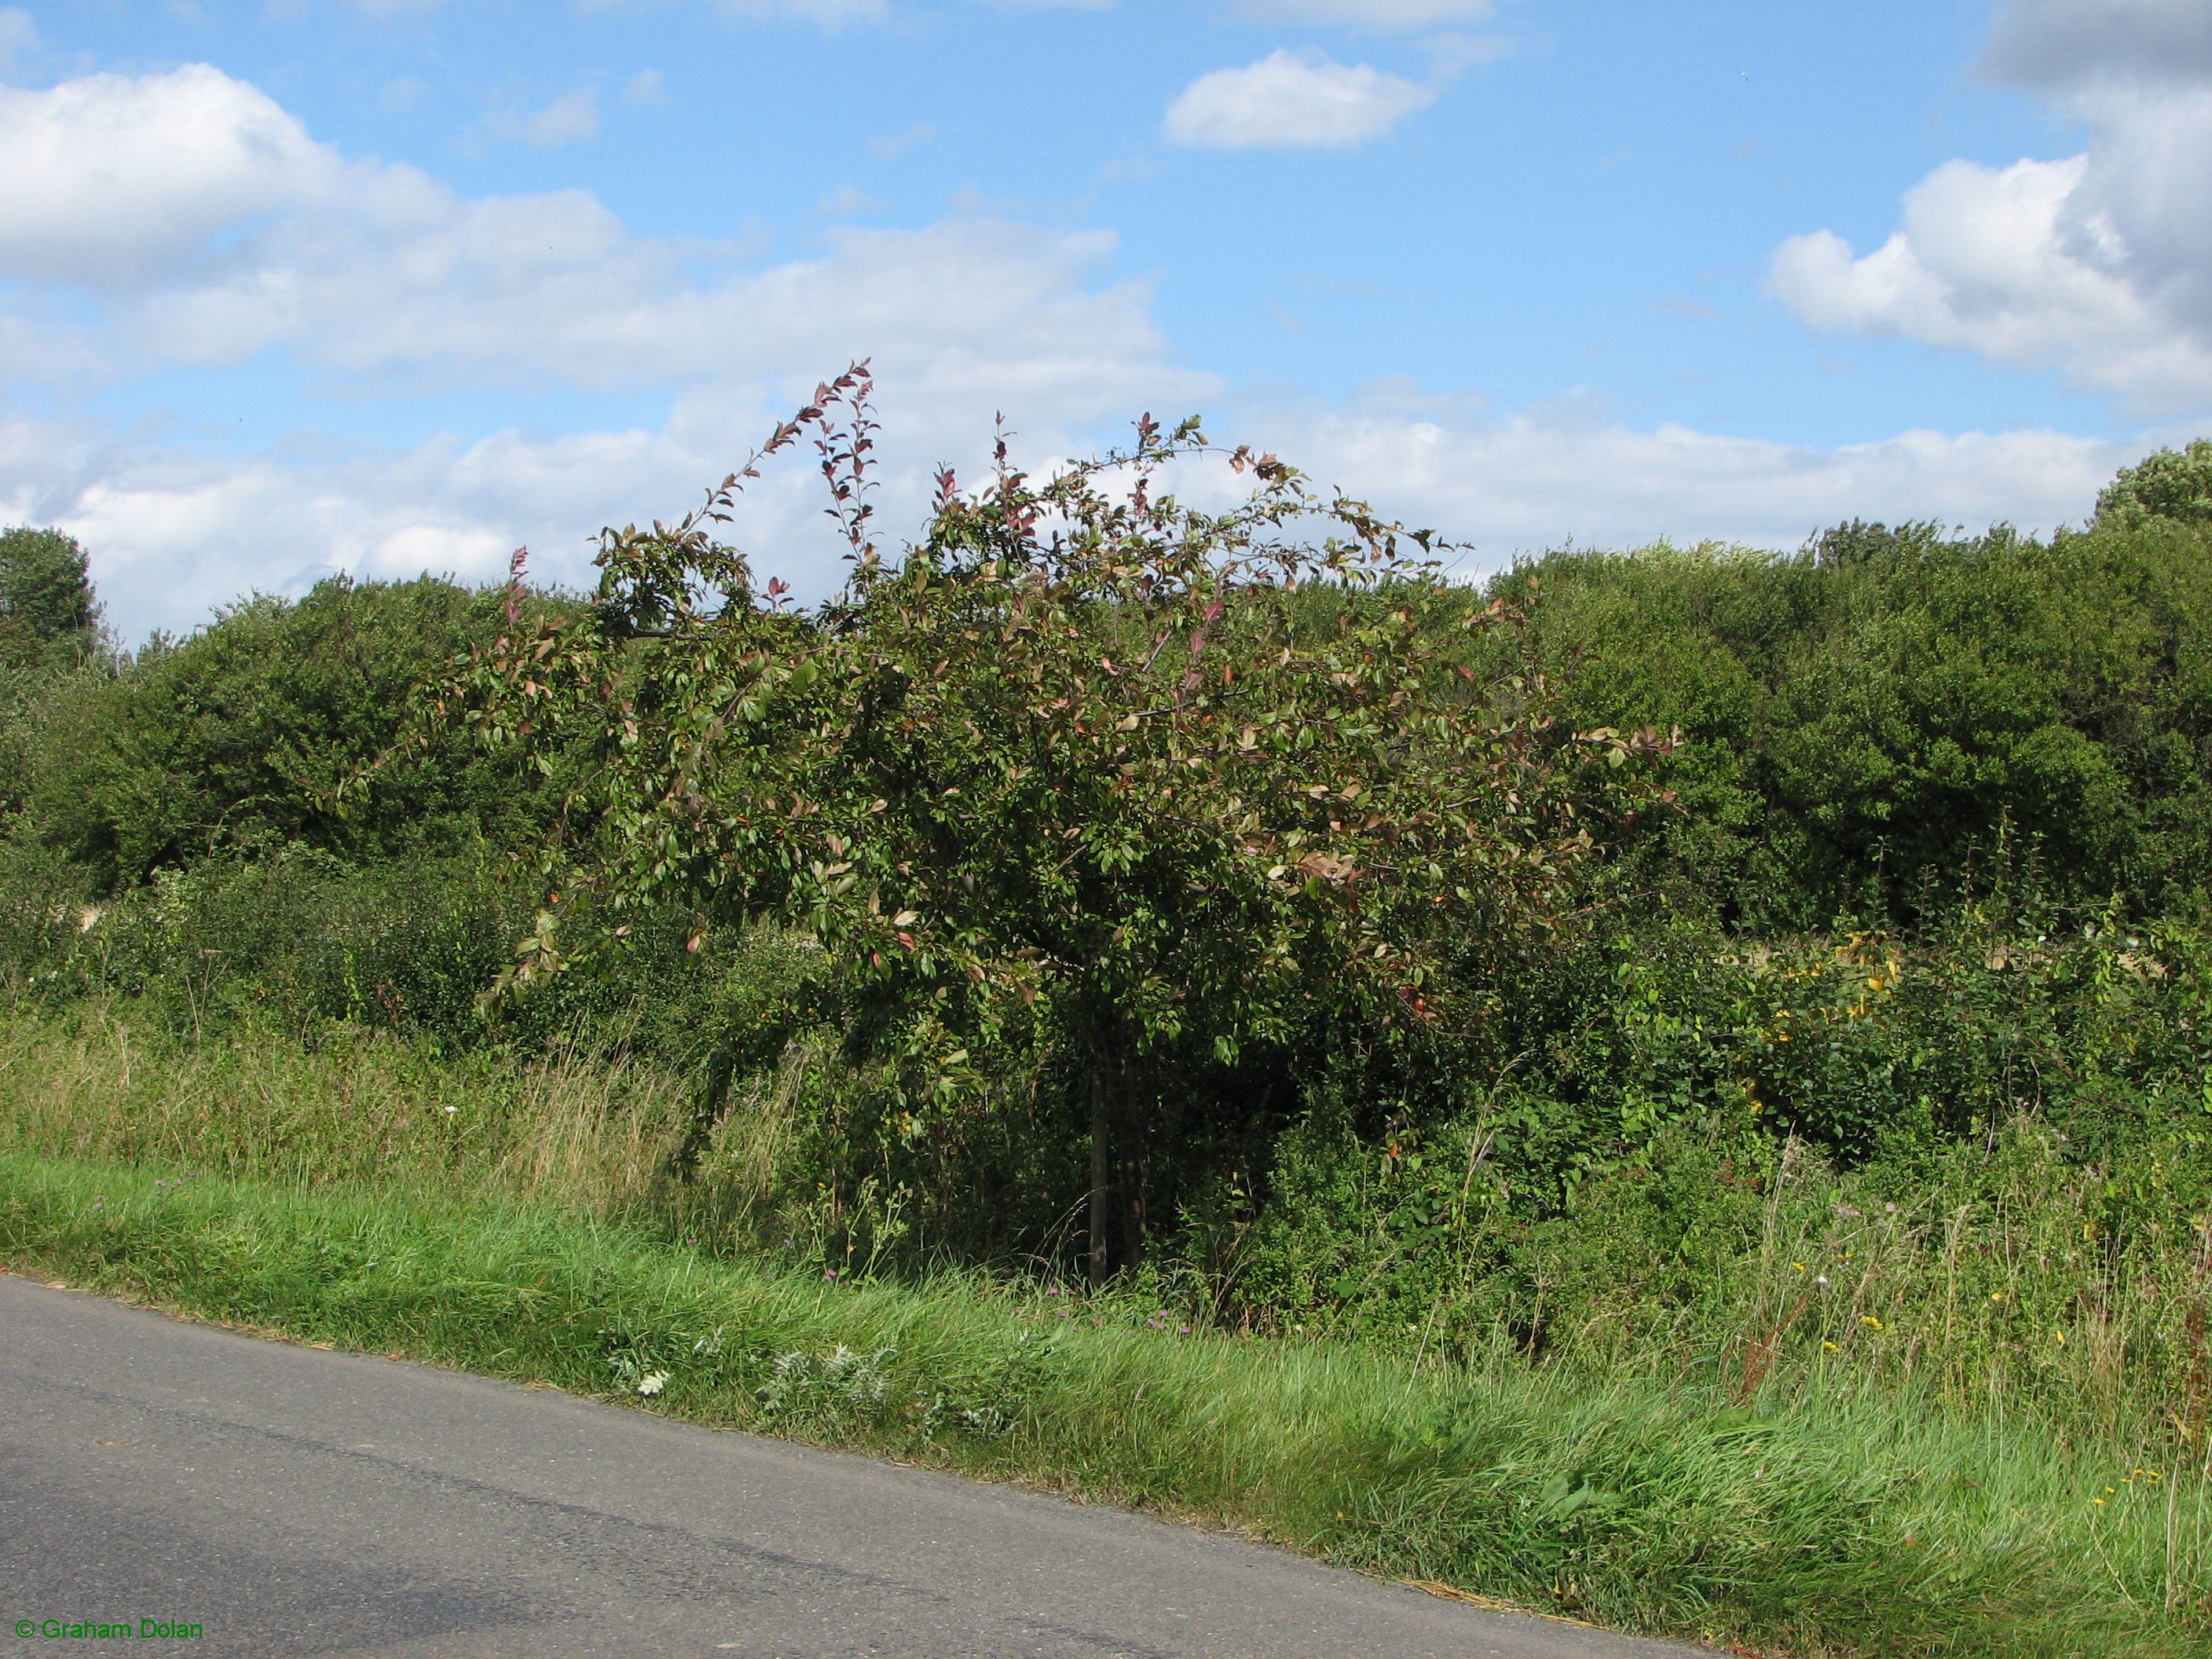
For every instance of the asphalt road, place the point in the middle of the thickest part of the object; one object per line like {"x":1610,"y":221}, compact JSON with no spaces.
{"x":292,"y":1501}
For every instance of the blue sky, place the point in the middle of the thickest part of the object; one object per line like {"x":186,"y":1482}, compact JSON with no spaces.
{"x":297,"y":287}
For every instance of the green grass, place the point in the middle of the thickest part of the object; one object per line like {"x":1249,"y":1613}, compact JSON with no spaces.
{"x":1997,"y":1283}
{"x":1815,"y":1525}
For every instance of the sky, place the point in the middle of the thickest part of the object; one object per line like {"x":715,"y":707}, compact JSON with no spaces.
{"x":378,"y":287}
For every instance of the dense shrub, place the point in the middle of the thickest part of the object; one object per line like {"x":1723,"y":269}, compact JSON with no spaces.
{"x":1870,"y":717}
{"x":1688,"y":1085}
{"x":238,"y":737}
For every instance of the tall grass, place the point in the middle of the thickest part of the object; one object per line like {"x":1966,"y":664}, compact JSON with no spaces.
{"x":1818,"y":1526}
{"x":586,"y":1131}
{"x":1988,"y":1285}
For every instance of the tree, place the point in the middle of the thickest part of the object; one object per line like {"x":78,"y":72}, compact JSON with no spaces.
{"x":1084,"y":768}
{"x":2173,"y":484}
{"x":46,"y":597}
{"x":240,"y":733}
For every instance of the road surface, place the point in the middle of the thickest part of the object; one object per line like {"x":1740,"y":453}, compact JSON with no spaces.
{"x":287,"y":1500}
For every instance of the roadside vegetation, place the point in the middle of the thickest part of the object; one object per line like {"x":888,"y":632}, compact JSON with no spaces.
{"x":1673,"y":1088}
{"x":1868,"y":1523}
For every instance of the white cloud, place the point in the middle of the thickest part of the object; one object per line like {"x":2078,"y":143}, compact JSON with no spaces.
{"x":898,"y":143}
{"x":111,"y":178}
{"x":551,"y":289}
{"x":260,"y":240}
{"x":1292,"y":98}
{"x":371,"y":272}
{"x":570,"y":119}
{"x":1372,"y":14}
{"x":2100,"y":265}
{"x":1533,"y":479}
{"x":171,"y":532}
{"x":1987,"y":261}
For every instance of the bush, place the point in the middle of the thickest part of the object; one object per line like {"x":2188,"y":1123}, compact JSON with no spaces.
{"x":1865,"y":723}
{"x":238,"y":738}
{"x":303,"y":938}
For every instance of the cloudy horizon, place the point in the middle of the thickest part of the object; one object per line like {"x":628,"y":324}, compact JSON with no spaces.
{"x":381,"y":288}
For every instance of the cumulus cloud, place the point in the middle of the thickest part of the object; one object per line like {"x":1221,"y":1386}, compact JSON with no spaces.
{"x":172,"y":531}
{"x":962,"y":321}
{"x":2100,"y":265}
{"x":2000,"y":262}
{"x":111,"y":178}
{"x":251,"y":238}
{"x":1533,"y":479}
{"x":1290,"y":99}
{"x":539,"y":289}
{"x":379,"y":275}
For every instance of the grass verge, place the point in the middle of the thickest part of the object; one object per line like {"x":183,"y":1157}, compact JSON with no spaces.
{"x":1814,"y":1527}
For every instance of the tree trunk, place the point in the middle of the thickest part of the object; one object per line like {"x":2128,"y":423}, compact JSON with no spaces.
{"x":1129,"y":1140}
{"x":1102,"y":1197}
{"x":1118,"y":1160}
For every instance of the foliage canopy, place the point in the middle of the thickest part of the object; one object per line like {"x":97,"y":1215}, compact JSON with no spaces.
{"x":47,"y":613}
{"x":239,"y":736}
{"x":1865,"y":722}
{"x":2174,"y":484}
